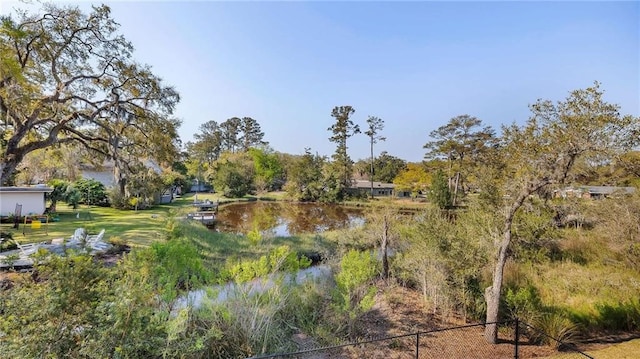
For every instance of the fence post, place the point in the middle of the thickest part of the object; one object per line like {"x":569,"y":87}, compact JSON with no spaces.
{"x":417,"y":344}
{"x":516,"y":338}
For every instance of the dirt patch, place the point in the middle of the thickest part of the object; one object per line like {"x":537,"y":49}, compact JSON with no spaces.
{"x":399,"y":311}
{"x":113,"y":255}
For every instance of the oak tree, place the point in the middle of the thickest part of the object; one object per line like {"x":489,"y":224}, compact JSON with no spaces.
{"x":542,"y":153}
{"x":67,"y":76}
{"x":387,"y":167}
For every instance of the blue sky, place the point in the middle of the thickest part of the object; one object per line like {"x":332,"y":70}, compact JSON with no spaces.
{"x":413,"y":64}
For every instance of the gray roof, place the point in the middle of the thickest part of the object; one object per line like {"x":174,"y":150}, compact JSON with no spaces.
{"x":608,"y":189}
{"x":367,"y":184}
{"x":37,"y":188}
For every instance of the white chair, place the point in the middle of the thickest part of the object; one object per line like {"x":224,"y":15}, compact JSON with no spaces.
{"x":27,"y":249}
{"x":99,"y":247}
{"x":77,"y":237}
{"x":95,"y":238}
{"x":96,"y":243}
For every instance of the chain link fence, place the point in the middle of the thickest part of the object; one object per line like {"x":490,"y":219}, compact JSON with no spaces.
{"x":455,"y":342}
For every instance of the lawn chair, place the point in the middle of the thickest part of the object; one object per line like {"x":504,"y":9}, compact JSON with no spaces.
{"x":96,"y":243}
{"x":97,"y":247}
{"x":95,"y":238}
{"x":28,"y":249}
{"x":78,"y":236}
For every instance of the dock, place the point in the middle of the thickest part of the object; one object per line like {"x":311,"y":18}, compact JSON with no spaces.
{"x":207,"y":218}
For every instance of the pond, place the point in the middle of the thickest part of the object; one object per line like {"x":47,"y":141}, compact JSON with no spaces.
{"x":281,"y":219}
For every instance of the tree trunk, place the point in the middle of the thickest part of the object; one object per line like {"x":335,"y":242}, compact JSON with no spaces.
{"x":11,"y":158}
{"x":371,"y":174}
{"x":455,"y":189}
{"x":492,"y":293}
{"x":383,"y":247}
{"x":119,"y":177}
{"x":6,"y":172}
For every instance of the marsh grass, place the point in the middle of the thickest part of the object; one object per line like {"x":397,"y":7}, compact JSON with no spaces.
{"x":594,"y":294}
{"x":218,"y":248}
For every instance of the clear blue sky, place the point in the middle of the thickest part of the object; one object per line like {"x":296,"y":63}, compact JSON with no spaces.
{"x":413,"y":64}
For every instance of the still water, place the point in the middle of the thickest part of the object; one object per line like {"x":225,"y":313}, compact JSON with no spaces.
{"x":280,"y":219}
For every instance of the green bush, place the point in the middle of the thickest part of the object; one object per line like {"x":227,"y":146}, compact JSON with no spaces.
{"x":8,"y":243}
{"x":623,"y":316}
{"x":553,"y":329}
{"x":279,"y":259}
{"x":91,"y":192}
{"x":176,"y":266}
{"x":354,"y":292}
{"x":523,"y":303}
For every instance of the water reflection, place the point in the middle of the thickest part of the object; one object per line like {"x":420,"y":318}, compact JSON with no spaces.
{"x":285,"y":219}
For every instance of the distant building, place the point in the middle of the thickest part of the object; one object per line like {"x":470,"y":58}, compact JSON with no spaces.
{"x":593,"y":192}
{"x":379,"y":188}
{"x":104,"y":173}
{"x":30,"y":199}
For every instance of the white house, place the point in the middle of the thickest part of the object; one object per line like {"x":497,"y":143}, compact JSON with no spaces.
{"x":104,"y":172}
{"x":32,"y":199}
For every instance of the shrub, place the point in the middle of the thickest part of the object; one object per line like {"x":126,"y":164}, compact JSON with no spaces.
{"x":8,"y":244}
{"x":279,"y":259}
{"x":619,"y":316}
{"x":116,"y":198}
{"x":176,"y":266}
{"x":254,"y":236}
{"x":523,"y":303}
{"x":440,"y":194}
{"x":553,"y":329}
{"x":91,"y":192}
{"x":354,"y":291}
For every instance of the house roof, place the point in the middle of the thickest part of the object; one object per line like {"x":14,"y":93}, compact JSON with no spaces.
{"x":608,"y":189}
{"x":35,"y":189}
{"x":367,"y":184}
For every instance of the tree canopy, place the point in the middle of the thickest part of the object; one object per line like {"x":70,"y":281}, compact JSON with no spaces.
{"x":544,"y":151}
{"x":460,"y":143}
{"x":374,"y":125}
{"x":67,"y":76}
{"x":341,"y":130}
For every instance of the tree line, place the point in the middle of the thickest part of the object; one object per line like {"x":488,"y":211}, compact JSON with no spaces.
{"x":71,"y":93}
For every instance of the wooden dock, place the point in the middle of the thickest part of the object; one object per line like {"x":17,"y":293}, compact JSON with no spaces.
{"x":207,"y":218}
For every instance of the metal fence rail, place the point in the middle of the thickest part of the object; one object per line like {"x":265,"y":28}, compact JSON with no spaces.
{"x":465,"y":341}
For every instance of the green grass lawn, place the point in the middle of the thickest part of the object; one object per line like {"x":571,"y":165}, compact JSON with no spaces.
{"x":139,"y":228}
